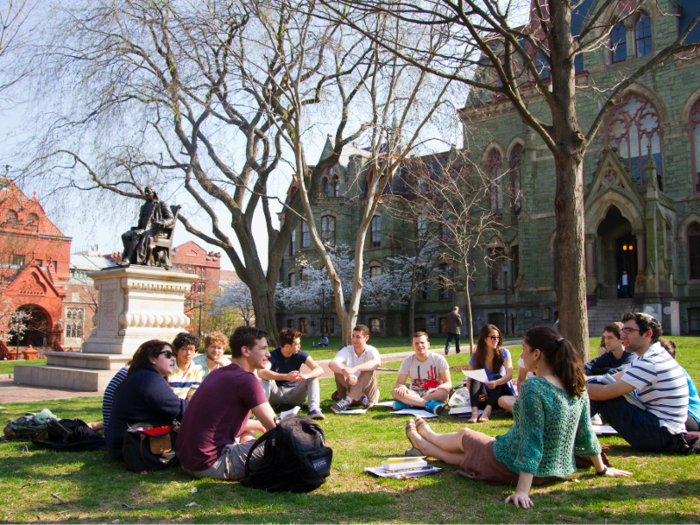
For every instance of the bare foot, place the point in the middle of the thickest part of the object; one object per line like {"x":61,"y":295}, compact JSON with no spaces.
{"x":483,"y":418}
{"x":475,"y":416}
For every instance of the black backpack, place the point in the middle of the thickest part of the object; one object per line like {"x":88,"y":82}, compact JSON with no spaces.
{"x":69,"y":435}
{"x":296,"y":458}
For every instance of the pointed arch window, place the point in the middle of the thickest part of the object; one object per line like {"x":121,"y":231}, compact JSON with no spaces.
{"x":493,"y":169}
{"x":618,"y":43}
{"x":328,"y":230}
{"x":642,"y":33}
{"x":376,"y":232}
{"x":632,"y":125}
{"x":516,"y":155}
{"x":695,"y":145}
{"x":325,"y":187}
{"x":336,"y":186}
{"x":694,"y":251}
{"x":11,"y":216}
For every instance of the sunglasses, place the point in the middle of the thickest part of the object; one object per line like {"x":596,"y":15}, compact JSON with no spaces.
{"x":168,"y":354}
{"x":494,"y":338}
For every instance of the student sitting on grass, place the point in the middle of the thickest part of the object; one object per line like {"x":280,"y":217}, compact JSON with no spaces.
{"x":647,"y":403}
{"x":213,"y":356}
{"x":144,"y":396}
{"x":615,"y":359}
{"x":186,"y":376}
{"x":498,"y":365}
{"x":430,"y":378}
{"x":541,"y":444}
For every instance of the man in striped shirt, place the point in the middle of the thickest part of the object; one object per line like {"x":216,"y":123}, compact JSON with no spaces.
{"x":655,"y":379}
{"x":186,"y":375}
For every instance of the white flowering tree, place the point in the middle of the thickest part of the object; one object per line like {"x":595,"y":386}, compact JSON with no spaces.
{"x":236,"y":298}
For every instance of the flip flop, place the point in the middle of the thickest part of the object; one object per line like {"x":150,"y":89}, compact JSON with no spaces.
{"x":413,"y":452}
{"x":410,"y":431}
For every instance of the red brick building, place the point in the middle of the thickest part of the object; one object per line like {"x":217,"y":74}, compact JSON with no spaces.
{"x":193,"y":259}
{"x":34,"y":265}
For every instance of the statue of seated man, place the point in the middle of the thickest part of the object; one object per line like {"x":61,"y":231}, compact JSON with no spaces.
{"x":154,"y":218}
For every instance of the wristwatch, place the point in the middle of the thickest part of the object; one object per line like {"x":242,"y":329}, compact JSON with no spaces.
{"x":602,"y":472}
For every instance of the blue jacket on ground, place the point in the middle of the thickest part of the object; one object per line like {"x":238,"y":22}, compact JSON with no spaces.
{"x":145,"y":397}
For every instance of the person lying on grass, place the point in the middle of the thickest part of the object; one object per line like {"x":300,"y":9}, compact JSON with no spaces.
{"x":540,"y":446}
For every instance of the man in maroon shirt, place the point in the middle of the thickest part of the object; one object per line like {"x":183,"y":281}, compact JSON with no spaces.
{"x":216,"y":433}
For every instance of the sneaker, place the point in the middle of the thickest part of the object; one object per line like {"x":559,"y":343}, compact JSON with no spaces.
{"x":342,"y":405}
{"x":398,"y":405}
{"x":316,"y":414}
{"x":596,"y":420}
{"x":435,"y":407}
{"x":366,"y":403}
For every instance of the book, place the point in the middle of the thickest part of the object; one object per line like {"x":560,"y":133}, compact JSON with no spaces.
{"x":407,"y":463}
{"x":403,"y":474}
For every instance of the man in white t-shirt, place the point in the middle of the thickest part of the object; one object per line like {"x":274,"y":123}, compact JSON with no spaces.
{"x":430,"y":378}
{"x":647,"y":403}
{"x":354,"y":368}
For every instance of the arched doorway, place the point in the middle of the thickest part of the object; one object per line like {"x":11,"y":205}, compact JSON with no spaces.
{"x":617,"y":253}
{"x":37,"y":324}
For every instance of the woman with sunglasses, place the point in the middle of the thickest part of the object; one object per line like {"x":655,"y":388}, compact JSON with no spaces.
{"x":144,"y":396}
{"x":551,"y":422}
{"x":498,"y":365}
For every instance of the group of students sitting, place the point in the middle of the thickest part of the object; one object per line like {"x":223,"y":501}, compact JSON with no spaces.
{"x":551,"y":408}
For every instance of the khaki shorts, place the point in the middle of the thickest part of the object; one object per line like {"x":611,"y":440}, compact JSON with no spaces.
{"x":231,"y":462}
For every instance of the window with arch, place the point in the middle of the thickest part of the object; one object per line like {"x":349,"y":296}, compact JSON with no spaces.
{"x":291,"y":276}
{"x":328,"y":230}
{"x":642,"y":35}
{"x":325,"y":187}
{"x":493,"y":170}
{"x":375,"y":237}
{"x":336,"y":186}
{"x":422,"y":226}
{"x":618,"y":43}
{"x":694,"y":251}
{"x":375,"y":271}
{"x":305,"y":237}
{"x":515,"y":161}
{"x":11,"y":216}
{"x":695,"y":145}
{"x":74,"y":322}
{"x":632,"y":125}
{"x":33,"y":220}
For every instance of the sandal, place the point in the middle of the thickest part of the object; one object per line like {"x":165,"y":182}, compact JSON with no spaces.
{"x":411,"y":433}
{"x":421,"y":424}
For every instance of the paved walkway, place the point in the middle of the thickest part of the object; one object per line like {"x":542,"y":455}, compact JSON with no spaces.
{"x":11,"y":393}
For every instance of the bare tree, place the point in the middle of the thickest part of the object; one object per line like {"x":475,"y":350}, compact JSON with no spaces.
{"x":13,"y":35}
{"x":393,"y":103}
{"x":180,"y":96}
{"x":485,"y":50}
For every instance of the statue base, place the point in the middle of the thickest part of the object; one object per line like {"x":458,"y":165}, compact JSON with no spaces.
{"x":136,"y":304}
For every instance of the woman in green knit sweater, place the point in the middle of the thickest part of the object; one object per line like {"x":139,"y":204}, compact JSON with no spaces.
{"x":551,"y":423}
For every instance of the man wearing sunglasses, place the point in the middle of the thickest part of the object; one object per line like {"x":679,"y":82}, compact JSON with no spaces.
{"x":647,"y":403}
{"x":216,"y":434}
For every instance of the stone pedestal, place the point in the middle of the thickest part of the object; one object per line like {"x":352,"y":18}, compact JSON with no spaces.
{"x":136,"y":303}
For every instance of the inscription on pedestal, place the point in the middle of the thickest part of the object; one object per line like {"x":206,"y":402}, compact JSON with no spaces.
{"x":109,"y":307}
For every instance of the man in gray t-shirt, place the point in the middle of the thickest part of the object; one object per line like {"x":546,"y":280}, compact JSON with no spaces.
{"x":430,"y":378}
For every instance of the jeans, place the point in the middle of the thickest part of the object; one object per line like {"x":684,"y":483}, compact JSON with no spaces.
{"x":294,"y":395}
{"x":638,"y":427}
{"x":449,"y":340}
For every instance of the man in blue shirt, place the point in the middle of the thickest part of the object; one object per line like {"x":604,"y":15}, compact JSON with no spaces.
{"x":284,"y":383}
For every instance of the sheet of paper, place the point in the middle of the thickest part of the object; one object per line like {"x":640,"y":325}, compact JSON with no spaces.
{"x":379,"y":471}
{"x":479,"y":375}
{"x":353,"y":412}
{"x":603,"y":429}
{"x":467,"y":411}
{"x":415,"y":412}
{"x":387,"y":404}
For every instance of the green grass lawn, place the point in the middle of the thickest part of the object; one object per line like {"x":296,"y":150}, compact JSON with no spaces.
{"x":8,"y":367}
{"x":664,"y":489}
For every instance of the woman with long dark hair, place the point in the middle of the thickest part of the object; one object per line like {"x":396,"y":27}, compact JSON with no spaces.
{"x":144,"y":396}
{"x":498,"y":365}
{"x":551,"y":423}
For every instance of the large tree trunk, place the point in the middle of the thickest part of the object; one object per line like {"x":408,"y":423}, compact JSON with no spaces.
{"x":569,"y":242}
{"x":569,"y":150}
